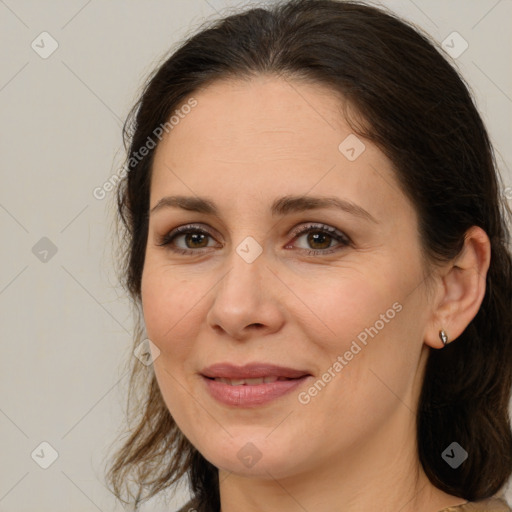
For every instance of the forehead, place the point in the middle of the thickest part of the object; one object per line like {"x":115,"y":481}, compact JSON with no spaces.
{"x":270,"y":136}
{"x":262,"y":114}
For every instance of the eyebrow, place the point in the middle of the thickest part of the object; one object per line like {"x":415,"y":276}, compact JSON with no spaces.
{"x":281,"y":206}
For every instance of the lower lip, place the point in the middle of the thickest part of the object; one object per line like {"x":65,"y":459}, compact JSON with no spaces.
{"x":247,"y":395}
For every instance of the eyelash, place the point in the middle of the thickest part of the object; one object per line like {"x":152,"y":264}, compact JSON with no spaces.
{"x":320,"y":228}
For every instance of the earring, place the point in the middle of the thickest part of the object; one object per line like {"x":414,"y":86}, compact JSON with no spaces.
{"x":443,"y":336}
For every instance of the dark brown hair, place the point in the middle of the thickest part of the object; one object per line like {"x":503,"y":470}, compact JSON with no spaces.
{"x":414,"y":105}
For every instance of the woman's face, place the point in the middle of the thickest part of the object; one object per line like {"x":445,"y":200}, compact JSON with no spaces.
{"x":343,"y":302}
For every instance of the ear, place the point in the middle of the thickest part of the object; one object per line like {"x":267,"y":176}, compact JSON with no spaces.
{"x":461,"y":289}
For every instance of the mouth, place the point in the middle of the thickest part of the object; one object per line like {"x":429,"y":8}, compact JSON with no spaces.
{"x":251,"y":371}
{"x":251,"y":385}
{"x":249,"y":382}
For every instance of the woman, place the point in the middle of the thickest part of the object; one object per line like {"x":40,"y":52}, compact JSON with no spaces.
{"x":317,"y":247}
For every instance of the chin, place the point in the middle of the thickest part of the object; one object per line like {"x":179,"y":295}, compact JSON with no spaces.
{"x":252,"y":456}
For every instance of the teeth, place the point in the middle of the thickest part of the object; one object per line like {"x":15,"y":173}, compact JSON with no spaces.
{"x":254,"y":382}
{"x":249,"y":382}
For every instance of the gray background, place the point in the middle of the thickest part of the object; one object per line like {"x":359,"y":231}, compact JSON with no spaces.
{"x":65,"y":323}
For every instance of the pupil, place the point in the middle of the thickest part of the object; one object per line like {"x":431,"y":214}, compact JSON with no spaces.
{"x":313,"y":238}
{"x":195,"y":237}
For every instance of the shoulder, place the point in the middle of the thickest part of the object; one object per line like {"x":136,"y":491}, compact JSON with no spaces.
{"x":488,"y":505}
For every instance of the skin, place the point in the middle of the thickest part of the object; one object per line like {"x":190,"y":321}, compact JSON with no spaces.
{"x":243,"y":145}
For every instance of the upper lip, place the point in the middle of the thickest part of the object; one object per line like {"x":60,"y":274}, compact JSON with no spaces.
{"x":251,"y":371}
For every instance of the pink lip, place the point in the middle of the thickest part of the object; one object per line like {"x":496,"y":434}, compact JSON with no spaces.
{"x":246,"y":395}
{"x":251,"y":371}
{"x":249,"y":396}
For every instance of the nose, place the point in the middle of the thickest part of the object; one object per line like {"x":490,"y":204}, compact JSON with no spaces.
{"x":246,"y":300}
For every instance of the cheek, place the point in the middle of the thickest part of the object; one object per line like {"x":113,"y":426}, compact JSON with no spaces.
{"x":366,"y":323}
{"x":342,"y":308}
{"x":171,"y":308}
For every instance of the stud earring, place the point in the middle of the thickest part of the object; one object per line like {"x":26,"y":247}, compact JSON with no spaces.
{"x":443,"y":337}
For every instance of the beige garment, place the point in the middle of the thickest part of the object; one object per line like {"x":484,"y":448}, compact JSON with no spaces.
{"x":489,"y":505}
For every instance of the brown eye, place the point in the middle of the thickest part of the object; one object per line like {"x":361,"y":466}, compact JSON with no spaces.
{"x":195,"y":240}
{"x":193,"y":237}
{"x":319,"y":238}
